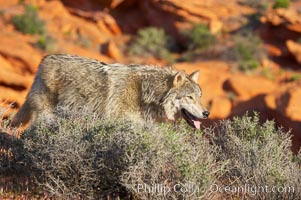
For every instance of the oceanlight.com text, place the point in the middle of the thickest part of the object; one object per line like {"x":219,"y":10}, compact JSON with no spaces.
{"x":250,"y":189}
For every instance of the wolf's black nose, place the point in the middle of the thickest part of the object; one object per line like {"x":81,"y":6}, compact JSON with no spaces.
{"x":206,"y":114}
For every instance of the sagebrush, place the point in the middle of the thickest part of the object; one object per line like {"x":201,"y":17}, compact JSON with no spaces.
{"x":46,"y":43}
{"x":259,"y":156}
{"x":152,"y":41}
{"x":247,"y":50}
{"x":81,"y":156}
{"x":281,"y":4}
{"x":88,"y":158}
{"x":29,"y":22}
{"x":200,"y":38}
{"x":199,"y":43}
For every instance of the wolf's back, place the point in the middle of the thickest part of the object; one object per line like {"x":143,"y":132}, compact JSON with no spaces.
{"x":64,"y":80}
{"x":111,"y":90}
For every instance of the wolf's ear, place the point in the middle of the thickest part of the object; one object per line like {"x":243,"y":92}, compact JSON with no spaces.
{"x":179,"y":79}
{"x":194,"y":76}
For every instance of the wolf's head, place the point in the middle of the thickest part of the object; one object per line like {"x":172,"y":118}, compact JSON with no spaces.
{"x":184,"y":99}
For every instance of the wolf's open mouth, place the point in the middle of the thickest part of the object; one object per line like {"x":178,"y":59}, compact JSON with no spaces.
{"x":190,"y":119}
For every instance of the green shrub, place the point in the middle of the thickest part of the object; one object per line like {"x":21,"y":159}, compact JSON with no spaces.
{"x":152,"y":41}
{"x":261,"y":5}
{"x":200,"y":43}
{"x":86,"y":157}
{"x":200,"y":38}
{"x":81,"y":156}
{"x":281,"y":4}
{"x":268,"y":73}
{"x":29,"y":22}
{"x":46,"y":43}
{"x":247,"y":50}
{"x":84,"y":41}
{"x":295,"y":77}
{"x":259,"y":156}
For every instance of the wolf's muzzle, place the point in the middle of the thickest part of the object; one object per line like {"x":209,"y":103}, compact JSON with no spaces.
{"x":206,"y":114}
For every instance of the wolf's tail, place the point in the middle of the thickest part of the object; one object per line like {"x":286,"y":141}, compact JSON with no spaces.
{"x":23,"y":116}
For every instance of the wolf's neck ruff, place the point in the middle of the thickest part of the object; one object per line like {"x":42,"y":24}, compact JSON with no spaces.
{"x":112,"y":91}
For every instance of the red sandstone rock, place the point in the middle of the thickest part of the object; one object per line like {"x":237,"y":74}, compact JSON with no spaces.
{"x":172,"y":14}
{"x":286,"y":102}
{"x":220,"y":107}
{"x":295,"y":49}
{"x":279,"y":16}
{"x":245,"y":87}
{"x":9,"y":77}
{"x":78,"y":50}
{"x":293,"y":109}
{"x":294,"y":27}
{"x":283,"y":105}
{"x":113,"y":51}
{"x":5,"y":4}
{"x":215,"y":26}
{"x":8,"y":95}
{"x":273,"y":50}
{"x":111,"y":24}
{"x":15,"y":46}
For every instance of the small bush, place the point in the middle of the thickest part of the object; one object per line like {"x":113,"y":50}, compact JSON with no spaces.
{"x":268,"y":73}
{"x":29,"y":22}
{"x":84,"y":41}
{"x":200,"y":44}
{"x":259,"y":5}
{"x":295,"y":77}
{"x":247,"y":50}
{"x":200,"y":38}
{"x":259,"y":156}
{"x":46,"y":43}
{"x":82,"y":156}
{"x":281,"y":4}
{"x":152,"y":41}
{"x":89,"y":158}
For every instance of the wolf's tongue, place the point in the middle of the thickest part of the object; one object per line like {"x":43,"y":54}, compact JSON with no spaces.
{"x":197,"y":124}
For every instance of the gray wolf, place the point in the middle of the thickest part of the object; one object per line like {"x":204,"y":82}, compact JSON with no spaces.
{"x":112,"y":91}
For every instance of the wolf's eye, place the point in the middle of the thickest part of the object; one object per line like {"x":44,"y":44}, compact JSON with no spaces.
{"x":190,"y":97}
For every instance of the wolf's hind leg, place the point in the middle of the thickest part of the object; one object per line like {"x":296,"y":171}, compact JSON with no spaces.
{"x":38,"y":104}
{"x":23,"y":116}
